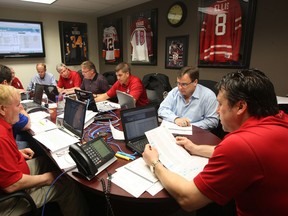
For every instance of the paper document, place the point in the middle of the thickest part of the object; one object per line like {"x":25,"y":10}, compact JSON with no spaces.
{"x":173,"y":156}
{"x":282,"y":100}
{"x":42,"y":125}
{"x":64,"y":160}
{"x":175,"y":129}
{"x":56,"y":140}
{"x":117,"y":134}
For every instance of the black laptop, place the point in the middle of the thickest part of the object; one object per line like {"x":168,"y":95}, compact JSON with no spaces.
{"x":74,"y":117}
{"x":37,"y":99}
{"x":135,"y":122}
{"x":51,"y":91}
{"x":86,"y":96}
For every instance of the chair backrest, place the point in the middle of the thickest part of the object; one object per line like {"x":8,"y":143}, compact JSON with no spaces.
{"x":209,"y":84}
{"x":110,"y":76}
{"x":21,"y":195}
{"x":157,"y":85}
{"x":212,"y":85}
{"x":80,"y":73}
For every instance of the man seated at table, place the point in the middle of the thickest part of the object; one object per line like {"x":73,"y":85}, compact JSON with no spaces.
{"x":190,"y":102}
{"x":126,"y":82}
{"x":24,"y":122}
{"x":250,"y":164}
{"x":16,"y":82}
{"x":19,"y":171}
{"x":68,"y":79}
{"x":93,"y":81}
{"x":42,"y":77}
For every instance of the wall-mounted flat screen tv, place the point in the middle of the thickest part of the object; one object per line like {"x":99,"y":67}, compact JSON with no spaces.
{"x":21,"y":39}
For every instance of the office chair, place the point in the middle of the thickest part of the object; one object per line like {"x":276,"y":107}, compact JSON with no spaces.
{"x":21,"y":195}
{"x":111,"y":77}
{"x":212,"y":85}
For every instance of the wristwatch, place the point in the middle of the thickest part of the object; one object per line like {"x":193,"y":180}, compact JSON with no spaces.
{"x":153,"y":165}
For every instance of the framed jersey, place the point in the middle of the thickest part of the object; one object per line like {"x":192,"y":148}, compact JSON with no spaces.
{"x":226,"y":32}
{"x":74,"y":42}
{"x":143,"y":37}
{"x":112,"y":41}
{"x":176,"y":52}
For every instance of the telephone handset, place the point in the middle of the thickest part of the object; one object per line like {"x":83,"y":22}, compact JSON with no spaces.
{"x":89,"y":157}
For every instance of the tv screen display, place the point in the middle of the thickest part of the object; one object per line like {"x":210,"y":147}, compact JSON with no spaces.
{"x":21,"y":39}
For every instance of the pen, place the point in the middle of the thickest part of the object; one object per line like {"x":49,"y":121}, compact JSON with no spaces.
{"x":122,"y":156}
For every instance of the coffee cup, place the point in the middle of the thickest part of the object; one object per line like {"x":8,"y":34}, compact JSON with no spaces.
{"x":53,"y":111}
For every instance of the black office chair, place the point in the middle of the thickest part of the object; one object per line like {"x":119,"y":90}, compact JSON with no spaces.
{"x":211,"y":84}
{"x":21,"y":195}
{"x":157,"y":86}
{"x":111,"y":77}
{"x":80,"y":74}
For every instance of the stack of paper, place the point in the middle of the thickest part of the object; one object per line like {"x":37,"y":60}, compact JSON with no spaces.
{"x":136,"y":178}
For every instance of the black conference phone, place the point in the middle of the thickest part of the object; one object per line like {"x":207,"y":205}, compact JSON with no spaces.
{"x":89,"y":157}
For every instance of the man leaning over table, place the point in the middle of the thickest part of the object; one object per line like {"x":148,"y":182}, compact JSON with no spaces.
{"x":128,"y":83}
{"x":189,"y":102}
{"x":19,"y":171}
{"x":250,"y":165}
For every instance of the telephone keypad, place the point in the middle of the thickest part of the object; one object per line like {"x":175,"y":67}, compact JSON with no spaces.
{"x":94,"y":155}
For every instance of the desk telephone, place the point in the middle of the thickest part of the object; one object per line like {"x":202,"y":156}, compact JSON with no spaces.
{"x":90,"y":156}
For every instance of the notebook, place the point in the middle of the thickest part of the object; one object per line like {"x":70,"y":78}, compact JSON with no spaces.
{"x":125,"y":100}
{"x":51,"y":91}
{"x":135,"y":122}
{"x":37,"y":99}
{"x":71,"y":131}
{"x":86,"y":96}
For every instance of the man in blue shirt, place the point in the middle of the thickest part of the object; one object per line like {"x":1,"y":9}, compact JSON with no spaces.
{"x":190,"y":103}
{"x":42,"y":77}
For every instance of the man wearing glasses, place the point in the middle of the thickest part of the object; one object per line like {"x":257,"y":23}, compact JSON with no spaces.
{"x":93,"y":81}
{"x":68,"y":79}
{"x":189,"y":102}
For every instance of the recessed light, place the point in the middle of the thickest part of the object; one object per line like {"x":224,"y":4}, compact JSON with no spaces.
{"x":41,"y":1}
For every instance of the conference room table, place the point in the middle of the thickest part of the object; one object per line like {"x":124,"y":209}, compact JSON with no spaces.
{"x":124,"y":203}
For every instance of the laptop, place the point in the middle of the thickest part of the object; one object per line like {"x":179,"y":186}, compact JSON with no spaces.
{"x":37,"y":99}
{"x":74,"y":117}
{"x":125,"y":100}
{"x":51,"y":91}
{"x":86,"y":96}
{"x":70,"y":131}
{"x":135,"y":122}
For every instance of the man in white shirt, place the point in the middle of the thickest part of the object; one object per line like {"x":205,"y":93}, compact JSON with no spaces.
{"x":42,"y":77}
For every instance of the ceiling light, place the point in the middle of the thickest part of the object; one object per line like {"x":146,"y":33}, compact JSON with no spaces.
{"x":41,"y":1}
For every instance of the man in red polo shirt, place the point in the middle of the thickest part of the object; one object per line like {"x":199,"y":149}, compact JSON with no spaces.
{"x":68,"y":79}
{"x":126,"y":83}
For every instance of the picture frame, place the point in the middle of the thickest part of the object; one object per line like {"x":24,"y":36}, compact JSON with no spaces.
{"x":226,"y":33}
{"x":144,"y":49}
{"x":176,"y":52}
{"x":112,"y":45}
{"x":73,"y":42}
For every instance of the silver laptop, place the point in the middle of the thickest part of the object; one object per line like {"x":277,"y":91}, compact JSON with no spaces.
{"x":125,"y":100}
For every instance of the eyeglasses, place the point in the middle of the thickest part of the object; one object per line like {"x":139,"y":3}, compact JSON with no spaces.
{"x":86,"y":71}
{"x":183,"y":85}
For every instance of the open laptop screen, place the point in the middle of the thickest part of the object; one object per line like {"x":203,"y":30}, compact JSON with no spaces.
{"x":38,"y":93}
{"x":51,"y":91}
{"x":137,"y":121}
{"x":74,"y":116}
{"x":85,"y":96}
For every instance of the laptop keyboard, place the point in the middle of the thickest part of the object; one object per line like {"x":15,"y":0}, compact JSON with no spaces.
{"x":138,"y":146}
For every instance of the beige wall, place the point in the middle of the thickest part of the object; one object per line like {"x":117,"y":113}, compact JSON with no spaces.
{"x":269,"y":50}
{"x":25,"y":68}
